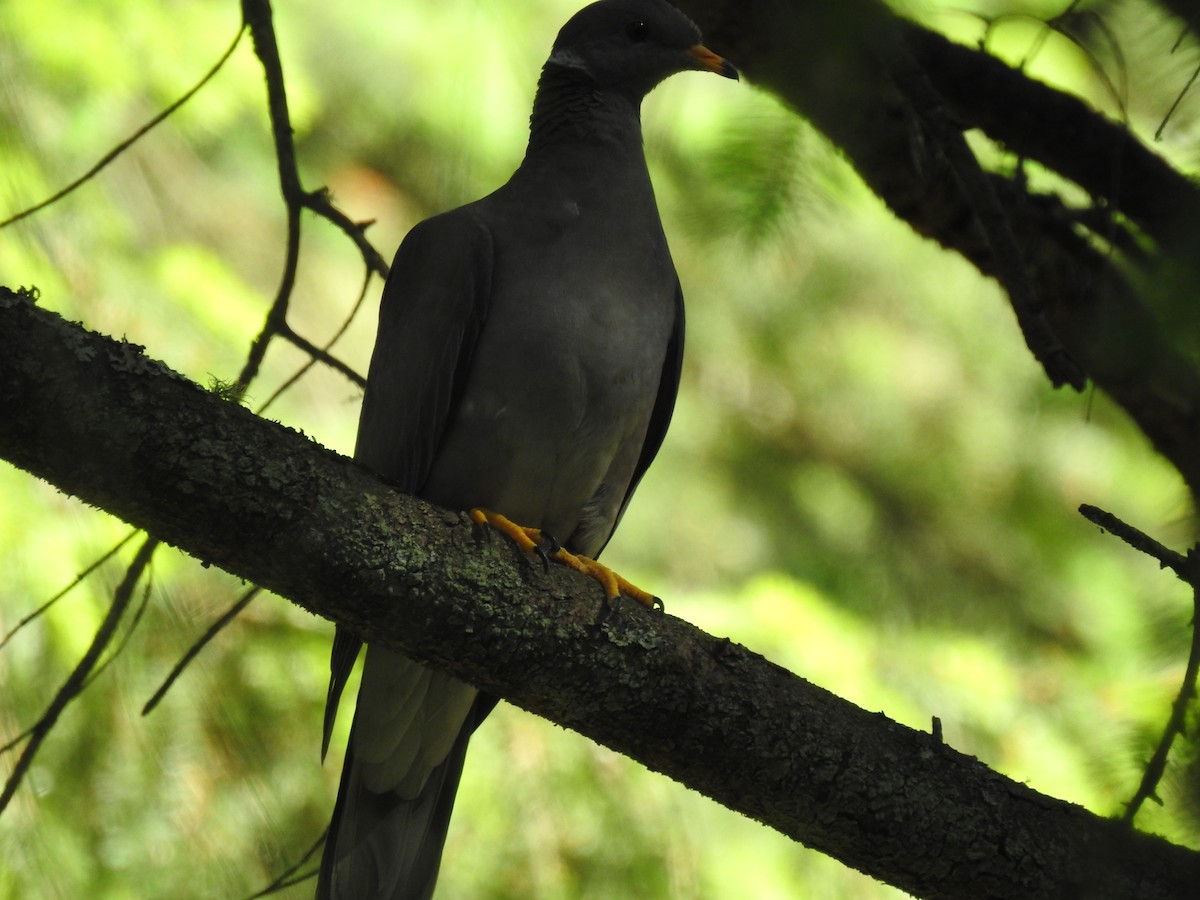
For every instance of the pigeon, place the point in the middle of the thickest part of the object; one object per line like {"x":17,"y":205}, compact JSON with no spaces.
{"x":525,"y":369}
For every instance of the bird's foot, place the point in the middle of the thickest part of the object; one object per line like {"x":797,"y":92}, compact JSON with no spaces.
{"x":536,"y":542}
{"x":615,"y":587}
{"x":532,"y":541}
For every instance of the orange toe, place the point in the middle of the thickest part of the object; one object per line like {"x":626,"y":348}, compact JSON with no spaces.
{"x":532,"y":540}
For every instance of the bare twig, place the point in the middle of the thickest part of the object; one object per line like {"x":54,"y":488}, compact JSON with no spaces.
{"x":193,"y":651}
{"x":77,"y":680}
{"x":131,"y":140}
{"x":147,"y":590}
{"x":1139,"y":540}
{"x":1162,"y":126}
{"x":285,"y":331}
{"x":79,"y":579}
{"x":304,"y":369}
{"x":258,"y":16}
{"x":1187,"y":568}
{"x":1157,"y":766}
{"x":288,"y":877}
{"x":319,"y":203}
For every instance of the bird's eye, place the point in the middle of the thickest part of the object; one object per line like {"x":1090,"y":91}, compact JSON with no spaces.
{"x":637,"y":31}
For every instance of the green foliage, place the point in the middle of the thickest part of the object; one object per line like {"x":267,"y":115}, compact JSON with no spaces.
{"x":868,"y":479}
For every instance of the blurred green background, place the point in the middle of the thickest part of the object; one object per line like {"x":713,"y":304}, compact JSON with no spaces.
{"x":868,"y":480}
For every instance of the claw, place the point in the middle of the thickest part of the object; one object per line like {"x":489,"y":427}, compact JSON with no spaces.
{"x":547,"y":548}
{"x":615,"y":587}
{"x":527,"y":539}
{"x":609,"y":611}
{"x":535,"y":542}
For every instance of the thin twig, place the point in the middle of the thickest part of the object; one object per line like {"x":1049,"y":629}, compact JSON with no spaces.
{"x":1187,"y":569}
{"x":131,"y":140}
{"x":319,"y":203}
{"x":1162,"y":126}
{"x":304,"y":369}
{"x":1138,"y":540}
{"x":257,"y":15}
{"x":92,"y":567}
{"x":1157,"y":766}
{"x":193,"y":651}
{"x":147,"y":590}
{"x":76,"y":680}
{"x":285,"y":331}
{"x":285,"y":879}
{"x":98,"y":669}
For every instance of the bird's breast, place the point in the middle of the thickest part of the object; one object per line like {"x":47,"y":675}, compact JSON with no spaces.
{"x":565,"y":373}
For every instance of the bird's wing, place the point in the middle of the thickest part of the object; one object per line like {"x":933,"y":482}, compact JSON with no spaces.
{"x":411,"y":726}
{"x":434,"y":305}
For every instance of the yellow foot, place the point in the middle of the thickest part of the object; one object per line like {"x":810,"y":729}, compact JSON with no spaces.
{"x":536,"y":542}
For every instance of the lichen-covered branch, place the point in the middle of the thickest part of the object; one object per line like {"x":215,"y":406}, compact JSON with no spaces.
{"x":102,"y":421}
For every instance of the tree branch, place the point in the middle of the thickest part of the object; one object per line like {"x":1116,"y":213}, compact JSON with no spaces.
{"x":844,"y":67}
{"x":1064,"y":134}
{"x":102,"y":421}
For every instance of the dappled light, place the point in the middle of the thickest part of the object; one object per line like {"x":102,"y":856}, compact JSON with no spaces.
{"x":869,"y":479}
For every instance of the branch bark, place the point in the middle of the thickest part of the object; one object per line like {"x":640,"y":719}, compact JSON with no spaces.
{"x":102,"y":421}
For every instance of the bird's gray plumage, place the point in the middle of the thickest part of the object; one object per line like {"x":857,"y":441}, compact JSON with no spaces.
{"x":527,"y":361}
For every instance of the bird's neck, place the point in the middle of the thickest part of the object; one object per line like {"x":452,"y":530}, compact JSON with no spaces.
{"x":570,"y":111}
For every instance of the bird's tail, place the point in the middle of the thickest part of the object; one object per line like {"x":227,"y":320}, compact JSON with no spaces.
{"x":384,"y":846}
{"x":387,"y":847}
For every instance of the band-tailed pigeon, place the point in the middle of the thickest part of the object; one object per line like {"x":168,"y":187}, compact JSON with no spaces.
{"x":526,"y":364}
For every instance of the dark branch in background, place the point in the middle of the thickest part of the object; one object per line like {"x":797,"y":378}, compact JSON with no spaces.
{"x":1186,"y":10}
{"x":997,"y":231}
{"x":258,"y":17}
{"x":79,"y":676}
{"x":1187,"y":568}
{"x":256,"y":14}
{"x":1062,"y":133}
{"x":1183,"y":91}
{"x":134,"y":622}
{"x":272,"y":507}
{"x":859,"y":74}
{"x":840,"y":66}
{"x":1139,"y":541}
{"x":319,"y":354}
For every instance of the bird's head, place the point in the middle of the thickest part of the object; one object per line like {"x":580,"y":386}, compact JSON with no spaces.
{"x":632,"y":45}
